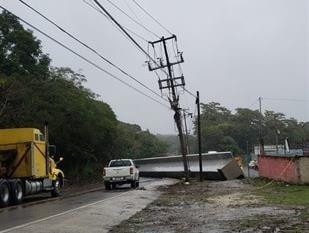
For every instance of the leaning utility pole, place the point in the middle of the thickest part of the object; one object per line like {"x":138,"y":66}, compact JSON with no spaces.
{"x":171,"y":83}
{"x":186,"y":128}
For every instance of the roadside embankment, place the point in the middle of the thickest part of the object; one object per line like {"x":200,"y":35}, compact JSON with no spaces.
{"x":226,"y":206}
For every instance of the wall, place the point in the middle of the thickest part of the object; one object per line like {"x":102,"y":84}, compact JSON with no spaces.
{"x":304,"y":169}
{"x":282,"y":168}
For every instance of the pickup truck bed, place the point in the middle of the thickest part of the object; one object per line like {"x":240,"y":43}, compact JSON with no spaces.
{"x":120,"y":172}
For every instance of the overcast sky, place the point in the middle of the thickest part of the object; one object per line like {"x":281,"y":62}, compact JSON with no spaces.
{"x":234,"y":51}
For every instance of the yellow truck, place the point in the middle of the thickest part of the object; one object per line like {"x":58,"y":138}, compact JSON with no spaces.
{"x":26,"y":165}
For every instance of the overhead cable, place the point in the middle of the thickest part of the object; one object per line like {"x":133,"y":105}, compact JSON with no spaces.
{"x":91,"y":49}
{"x":143,"y":9}
{"x":130,"y":30}
{"x":84,"y":58}
{"x":121,"y":31}
{"x":135,"y":21}
{"x":286,"y":99}
{"x":133,"y":40}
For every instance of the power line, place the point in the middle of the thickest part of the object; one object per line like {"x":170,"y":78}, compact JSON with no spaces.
{"x":286,"y":99}
{"x":91,"y":49}
{"x":135,"y":21}
{"x":126,"y":33}
{"x":130,"y":30}
{"x":84,"y":58}
{"x":133,"y":12}
{"x":189,"y":92}
{"x":134,"y":41}
{"x":143,"y":9}
{"x":121,"y":31}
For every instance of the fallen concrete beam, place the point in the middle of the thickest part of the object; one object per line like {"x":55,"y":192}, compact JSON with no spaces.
{"x":216,"y":166}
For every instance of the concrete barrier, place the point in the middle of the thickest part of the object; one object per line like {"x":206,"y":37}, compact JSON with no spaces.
{"x":216,"y":166}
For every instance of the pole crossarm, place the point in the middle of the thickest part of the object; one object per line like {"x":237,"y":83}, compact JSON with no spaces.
{"x":166,"y":83}
{"x":171,"y":83}
{"x":161,"y":65}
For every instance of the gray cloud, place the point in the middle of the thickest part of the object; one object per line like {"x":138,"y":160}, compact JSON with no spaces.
{"x":235,"y":51}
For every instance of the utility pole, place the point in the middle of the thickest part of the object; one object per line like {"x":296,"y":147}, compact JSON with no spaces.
{"x":261,"y":142}
{"x":248,"y":159}
{"x":186,"y":128}
{"x":199,"y":134}
{"x":171,"y":83}
{"x":260,"y":104}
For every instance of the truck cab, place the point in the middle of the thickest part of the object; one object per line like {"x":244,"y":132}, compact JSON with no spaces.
{"x":25,"y":165}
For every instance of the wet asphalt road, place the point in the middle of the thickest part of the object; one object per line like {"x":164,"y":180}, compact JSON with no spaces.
{"x":25,"y":213}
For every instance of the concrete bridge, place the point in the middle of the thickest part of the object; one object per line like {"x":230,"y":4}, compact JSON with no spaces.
{"x":216,"y":166}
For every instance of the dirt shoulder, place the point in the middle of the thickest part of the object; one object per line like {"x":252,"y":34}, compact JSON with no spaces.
{"x":226,"y":206}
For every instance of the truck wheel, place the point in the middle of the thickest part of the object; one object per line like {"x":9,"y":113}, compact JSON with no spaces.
{"x":4,"y":193}
{"x":17,"y":194}
{"x":133,"y":184}
{"x":56,"y":188}
{"x":107,"y":185}
{"x":113,"y":186}
{"x":137,"y":184}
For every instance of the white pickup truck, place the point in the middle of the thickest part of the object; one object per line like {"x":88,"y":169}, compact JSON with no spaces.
{"x":120,"y":171}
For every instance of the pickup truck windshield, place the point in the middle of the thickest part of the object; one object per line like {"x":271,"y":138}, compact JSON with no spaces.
{"x":120,"y":163}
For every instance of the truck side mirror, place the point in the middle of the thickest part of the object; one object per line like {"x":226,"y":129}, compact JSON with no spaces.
{"x":60,"y":159}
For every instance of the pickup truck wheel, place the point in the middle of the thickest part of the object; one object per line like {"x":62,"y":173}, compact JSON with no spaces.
{"x":17,"y":194}
{"x":107,"y":185}
{"x":56,"y":188}
{"x":4,"y":193}
{"x":113,"y":186}
{"x":137,"y":184}
{"x":133,"y":184}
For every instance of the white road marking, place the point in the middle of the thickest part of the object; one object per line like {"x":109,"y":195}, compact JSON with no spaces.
{"x":60,"y":214}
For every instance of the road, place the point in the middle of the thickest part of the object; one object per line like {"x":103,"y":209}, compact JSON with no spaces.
{"x":250,"y":173}
{"x":91,"y":212}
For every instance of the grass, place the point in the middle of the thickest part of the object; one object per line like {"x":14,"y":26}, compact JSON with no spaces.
{"x":251,"y":223}
{"x":282,"y":193}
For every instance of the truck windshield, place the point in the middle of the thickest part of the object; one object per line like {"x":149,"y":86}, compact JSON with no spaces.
{"x":120,"y":163}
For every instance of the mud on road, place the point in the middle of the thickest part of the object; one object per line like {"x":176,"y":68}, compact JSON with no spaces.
{"x":226,"y":206}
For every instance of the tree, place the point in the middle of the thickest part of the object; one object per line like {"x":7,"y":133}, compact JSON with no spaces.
{"x":246,"y":124}
{"x":85,"y":130}
{"x":20,"y":51}
{"x":217,"y":126}
{"x":222,"y":130}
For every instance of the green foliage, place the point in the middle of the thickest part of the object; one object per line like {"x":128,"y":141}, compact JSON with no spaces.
{"x":20,"y":51}
{"x":141,"y":144}
{"x":85,"y":130}
{"x":223,"y":130}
